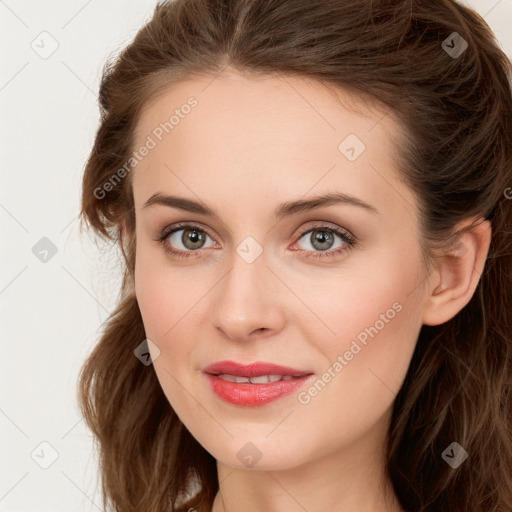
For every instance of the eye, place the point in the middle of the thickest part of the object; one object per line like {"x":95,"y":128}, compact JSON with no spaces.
{"x":191,"y":238}
{"x":322,"y":241}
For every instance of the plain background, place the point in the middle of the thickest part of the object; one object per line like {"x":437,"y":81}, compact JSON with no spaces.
{"x":53,"y":303}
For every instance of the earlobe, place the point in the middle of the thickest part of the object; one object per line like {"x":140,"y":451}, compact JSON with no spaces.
{"x":458,"y":273}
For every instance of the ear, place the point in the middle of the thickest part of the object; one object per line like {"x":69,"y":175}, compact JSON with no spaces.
{"x":458,"y":273}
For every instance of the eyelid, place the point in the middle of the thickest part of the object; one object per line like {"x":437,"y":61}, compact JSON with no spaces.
{"x":318,"y":224}
{"x":298,"y":233}
{"x":348,"y":239}
{"x":172,"y":228}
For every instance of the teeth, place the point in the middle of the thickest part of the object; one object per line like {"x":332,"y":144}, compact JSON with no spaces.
{"x":230,"y":378}
{"x":262,"y":379}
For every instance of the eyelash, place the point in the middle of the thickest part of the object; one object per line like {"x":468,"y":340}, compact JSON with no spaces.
{"x":350,"y":240}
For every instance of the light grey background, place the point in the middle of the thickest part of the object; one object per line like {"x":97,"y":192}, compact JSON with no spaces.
{"x":51,"y":311}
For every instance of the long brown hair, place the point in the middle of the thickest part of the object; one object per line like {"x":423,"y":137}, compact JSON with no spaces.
{"x":457,"y":158}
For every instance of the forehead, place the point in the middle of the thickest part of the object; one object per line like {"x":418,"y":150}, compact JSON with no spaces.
{"x":264,"y":134}
{"x":289,"y":105}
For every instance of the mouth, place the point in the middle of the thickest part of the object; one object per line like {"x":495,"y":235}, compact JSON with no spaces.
{"x":273,"y":372}
{"x":260,"y":379}
{"x":255,"y":384}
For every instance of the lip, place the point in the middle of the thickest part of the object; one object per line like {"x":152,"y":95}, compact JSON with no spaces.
{"x":253,"y":395}
{"x":253,"y":369}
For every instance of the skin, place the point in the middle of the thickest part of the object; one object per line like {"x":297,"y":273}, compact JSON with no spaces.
{"x":249,"y":145}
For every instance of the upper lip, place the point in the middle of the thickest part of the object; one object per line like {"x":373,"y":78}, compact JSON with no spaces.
{"x":252,"y":370}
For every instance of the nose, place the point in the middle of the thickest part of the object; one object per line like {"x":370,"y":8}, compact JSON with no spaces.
{"x":248,"y":301}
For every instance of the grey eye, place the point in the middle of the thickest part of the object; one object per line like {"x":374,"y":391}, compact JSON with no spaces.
{"x":191,"y":238}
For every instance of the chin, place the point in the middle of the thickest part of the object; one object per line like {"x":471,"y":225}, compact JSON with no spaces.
{"x":258,"y":455}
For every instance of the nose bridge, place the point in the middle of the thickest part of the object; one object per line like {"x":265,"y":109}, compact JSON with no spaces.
{"x":243,"y":302}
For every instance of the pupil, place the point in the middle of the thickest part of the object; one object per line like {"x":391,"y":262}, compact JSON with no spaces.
{"x":321,"y":237}
{"x":194,"y":237}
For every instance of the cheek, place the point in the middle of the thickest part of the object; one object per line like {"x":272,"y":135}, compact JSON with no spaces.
{"x":152,"y":301}
{"x":164,"y":297}
{"x":366,"y":362}
{"x":364,"y":313}
{"x":165,"y":310}
{"x":374,"y":322}
{"x":374,"y":300}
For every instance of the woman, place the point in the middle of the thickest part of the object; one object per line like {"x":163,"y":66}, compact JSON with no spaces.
{"x":313,"y":205}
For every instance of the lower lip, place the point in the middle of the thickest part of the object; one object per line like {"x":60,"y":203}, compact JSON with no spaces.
{"x":254,"y":395}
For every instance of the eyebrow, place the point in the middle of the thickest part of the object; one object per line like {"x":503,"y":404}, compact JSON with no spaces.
{"x":283,"y":210}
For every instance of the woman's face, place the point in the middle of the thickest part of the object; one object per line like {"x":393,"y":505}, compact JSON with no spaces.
{"x":261,"y":280}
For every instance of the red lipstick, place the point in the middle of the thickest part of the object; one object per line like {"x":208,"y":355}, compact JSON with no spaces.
{"x":255,"y":384}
